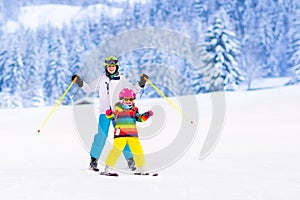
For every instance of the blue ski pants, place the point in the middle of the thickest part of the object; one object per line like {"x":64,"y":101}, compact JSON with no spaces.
{"x":100,"y":139}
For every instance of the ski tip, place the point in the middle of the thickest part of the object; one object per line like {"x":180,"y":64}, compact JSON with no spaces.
{"x":95,"y":170}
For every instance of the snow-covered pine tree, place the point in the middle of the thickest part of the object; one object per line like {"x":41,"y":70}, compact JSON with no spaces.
{"x":140,"y":14}
{"x":13,"y":74}
{"x":84,"y":35}
{"x":129,"y":20}
{"x":166,"y":75}
{"x":294,"y":47}
{"x":3,"y":57}
{"x":192,"y":77}
{"x":42,"y":50}
{"x":2,"y":18}
{"x":76,"y":53}
{"x":57,"y":75}
{"x":236,"y":10}
{"x":160,"y":13}
{"x":74,"y":47}
{"x":251,"y":60}
{"x":175,"y":15}
{"x":135,"y":63}
{"x":95,"y":30}
{"x":223,"y":48}
{"x":281,"y":29}
{"x":33,"y":87}
{"x":200,"y":9}
{"x":130,"y":66}
{"x":268,"y":14}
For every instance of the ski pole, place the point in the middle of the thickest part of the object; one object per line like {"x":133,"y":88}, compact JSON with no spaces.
{"x":166,"y":98}
{"x":76,"y":93}
{"x":56,"y":105}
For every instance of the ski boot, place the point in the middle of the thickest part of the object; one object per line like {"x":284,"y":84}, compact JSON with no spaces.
{"x":131,"y":164}
{"x":141,"y":171}
{"x":94,"y":164}
{"x":108,"y":172}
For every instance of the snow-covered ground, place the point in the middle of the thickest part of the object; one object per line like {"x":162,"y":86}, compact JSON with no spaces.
{"x":257,"y":157}
{"x":266,"y":83}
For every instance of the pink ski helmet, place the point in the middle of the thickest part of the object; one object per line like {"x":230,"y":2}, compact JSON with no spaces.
{"x":127,"y":93}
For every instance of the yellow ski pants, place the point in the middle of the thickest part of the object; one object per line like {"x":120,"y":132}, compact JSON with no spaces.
{"x":118,"y":146}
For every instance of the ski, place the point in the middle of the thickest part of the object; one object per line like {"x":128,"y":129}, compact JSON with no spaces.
{"x":108,"y":174}
{"x":103,"y":173}
{"x":135,"y":174}
{"x":145,"y":174}
{"x":94,"y":169}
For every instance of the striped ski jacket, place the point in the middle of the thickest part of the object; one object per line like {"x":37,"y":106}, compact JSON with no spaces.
{"x":124,"y":120}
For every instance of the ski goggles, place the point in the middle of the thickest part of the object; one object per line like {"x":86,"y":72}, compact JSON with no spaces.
{"x":128,"y":99}
{"x":111,"y":62}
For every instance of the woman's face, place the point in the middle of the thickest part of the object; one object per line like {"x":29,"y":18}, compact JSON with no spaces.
{"x":111,"y":69}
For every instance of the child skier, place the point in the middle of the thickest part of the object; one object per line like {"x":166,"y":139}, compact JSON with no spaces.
{"x":125,"y":116}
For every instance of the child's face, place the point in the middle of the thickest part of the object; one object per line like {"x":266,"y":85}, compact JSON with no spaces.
{"x":128,"y":101}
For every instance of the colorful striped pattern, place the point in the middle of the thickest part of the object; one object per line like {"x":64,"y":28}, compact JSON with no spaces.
{"x":109,"y":114}
{"x":125,"y":120}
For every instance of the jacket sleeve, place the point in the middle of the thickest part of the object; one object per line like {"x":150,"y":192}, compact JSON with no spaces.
{"x":111,"y":114}
{"x":92,"y":87}
{"x":142,"y":117}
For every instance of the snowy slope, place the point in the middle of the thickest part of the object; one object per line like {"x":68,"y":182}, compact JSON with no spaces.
{"x":257,"y":157}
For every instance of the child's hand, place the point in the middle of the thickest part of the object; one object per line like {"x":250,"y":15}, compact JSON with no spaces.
{"x":109,"y":112}
{"x":150,"y":113}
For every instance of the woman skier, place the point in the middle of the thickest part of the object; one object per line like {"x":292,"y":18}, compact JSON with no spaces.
{"x":109,"y":84}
